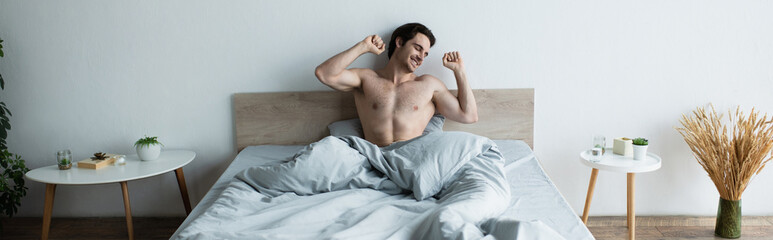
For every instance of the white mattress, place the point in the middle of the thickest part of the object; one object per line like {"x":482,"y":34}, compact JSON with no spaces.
{"x":534,"y":197}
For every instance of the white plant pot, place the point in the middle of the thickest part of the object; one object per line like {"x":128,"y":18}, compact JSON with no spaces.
{"x":639,"y":152}
{"x":149,"y":153}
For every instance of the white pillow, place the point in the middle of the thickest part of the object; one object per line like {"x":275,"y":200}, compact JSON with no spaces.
{"x":353,"y":127}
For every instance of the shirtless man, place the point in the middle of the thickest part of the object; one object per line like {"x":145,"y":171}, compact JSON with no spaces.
{"x":393,"y":103}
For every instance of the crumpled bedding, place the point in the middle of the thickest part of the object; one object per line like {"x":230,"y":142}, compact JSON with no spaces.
{"x":458,"y":177}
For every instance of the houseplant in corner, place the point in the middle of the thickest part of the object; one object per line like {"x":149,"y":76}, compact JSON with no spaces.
{"x":148,"y":148}
{"x":12,"y":168}
{"x":731,"y":153}
{"x":640,"y":148}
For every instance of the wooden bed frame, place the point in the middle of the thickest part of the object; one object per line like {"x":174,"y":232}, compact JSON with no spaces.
{"x":300,"y":118}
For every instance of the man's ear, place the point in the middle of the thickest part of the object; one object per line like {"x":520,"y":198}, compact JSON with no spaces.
{"x":399,"y":42}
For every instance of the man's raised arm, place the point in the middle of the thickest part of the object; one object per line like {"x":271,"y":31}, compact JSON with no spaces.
{"x":461,"y":108}
{"x":333,"y":72}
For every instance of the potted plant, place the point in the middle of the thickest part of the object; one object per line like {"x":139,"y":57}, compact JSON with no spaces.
{"x":12,"y":167}
{"x":148,"y":148}
{"x":64,"y":159}
{"x":640,"y":148}
{"x":65,"y":164}
{"x":731,"y":152}
{"x":12,"y":189}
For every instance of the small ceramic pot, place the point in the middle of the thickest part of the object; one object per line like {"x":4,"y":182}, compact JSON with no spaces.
{"x":639,"y":152}
{"x":149,"y":153}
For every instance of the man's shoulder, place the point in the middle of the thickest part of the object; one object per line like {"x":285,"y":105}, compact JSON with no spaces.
{"x":432,"y":80}
{"x":427,"y":77}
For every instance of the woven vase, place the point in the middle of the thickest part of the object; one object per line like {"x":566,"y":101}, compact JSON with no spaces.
{"x":728,"y":219}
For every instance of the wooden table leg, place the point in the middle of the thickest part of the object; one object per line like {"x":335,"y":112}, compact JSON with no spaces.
{"x":183,"y":189}
{"x":128,"y":209}
{"x":47,"y":209}
{"x":589,"y":196}
{"x":631,"y":209}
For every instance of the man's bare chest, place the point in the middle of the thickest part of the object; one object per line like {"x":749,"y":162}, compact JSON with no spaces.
{"x":385,"y":96}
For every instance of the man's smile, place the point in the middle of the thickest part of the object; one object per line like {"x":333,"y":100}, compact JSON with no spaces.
{"x":414,"y":62}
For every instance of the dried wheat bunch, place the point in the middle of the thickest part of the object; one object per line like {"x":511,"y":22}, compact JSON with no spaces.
{"x":733,"y":154}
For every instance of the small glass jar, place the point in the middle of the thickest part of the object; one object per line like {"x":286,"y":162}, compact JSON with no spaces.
{"x":595,"y":155}
{"x":600,"y":141}
{"x":64,"y":159}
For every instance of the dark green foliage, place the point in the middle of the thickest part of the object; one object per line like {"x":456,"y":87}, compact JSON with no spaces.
{"x":2,"y":82}
{"x":12,"y":168}
{"x":5,"y":124}
{"x":11,"y":182}
{"x":640,"y":141}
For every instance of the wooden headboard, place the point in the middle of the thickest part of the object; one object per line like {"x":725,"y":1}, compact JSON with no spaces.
{"x":300,"y":118}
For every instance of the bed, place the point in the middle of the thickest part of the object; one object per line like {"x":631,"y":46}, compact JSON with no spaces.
{"x":272,"y":127}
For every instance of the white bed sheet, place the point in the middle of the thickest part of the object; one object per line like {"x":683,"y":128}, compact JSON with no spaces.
{"x":534,"y":196}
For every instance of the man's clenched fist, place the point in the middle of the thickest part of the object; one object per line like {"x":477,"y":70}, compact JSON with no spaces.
{"x":374,"y":44}
{"x":453,"y":61}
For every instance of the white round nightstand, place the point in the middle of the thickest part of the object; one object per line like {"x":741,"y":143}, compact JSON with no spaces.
{"x":171,"y":160}
{"x":618,"y":163}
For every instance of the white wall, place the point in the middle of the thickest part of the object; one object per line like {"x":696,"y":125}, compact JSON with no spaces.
{"x":96,"y":75}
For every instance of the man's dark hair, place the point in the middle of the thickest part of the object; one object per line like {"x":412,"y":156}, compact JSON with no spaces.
{"x":407,"y":32}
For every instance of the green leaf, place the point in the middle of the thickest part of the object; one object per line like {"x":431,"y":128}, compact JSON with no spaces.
{"x":11,"y":182}
{"x":5,"y":109}
{"x":2,"y":82}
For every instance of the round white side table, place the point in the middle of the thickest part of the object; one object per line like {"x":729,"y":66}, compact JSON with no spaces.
{"x":172,"y":160}
{"x":618,"y":163}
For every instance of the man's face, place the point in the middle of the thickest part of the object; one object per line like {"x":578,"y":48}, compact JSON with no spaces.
{"x":413,"y":52}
